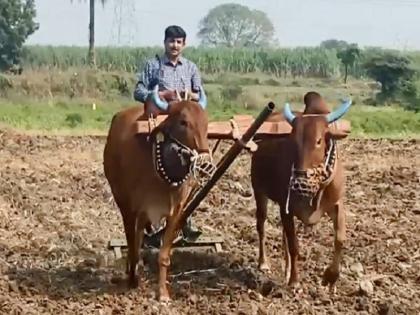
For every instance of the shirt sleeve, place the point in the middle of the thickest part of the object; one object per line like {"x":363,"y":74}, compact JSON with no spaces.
{"x":141,"y":91}
{"x":195,"y":78}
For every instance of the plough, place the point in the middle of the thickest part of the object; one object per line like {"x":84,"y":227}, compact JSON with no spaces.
{"x":242,"y":129}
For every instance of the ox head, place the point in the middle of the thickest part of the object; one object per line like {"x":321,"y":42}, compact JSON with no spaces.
{"x":163,"y":105}
{"x":311,"y":134}
{"x":181,"y":144}
{"x":187,"y":121}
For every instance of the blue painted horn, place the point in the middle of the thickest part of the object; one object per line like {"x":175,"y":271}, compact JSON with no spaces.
{"x":163,"y":105}
{"x":287,"y":112}
{"x":203,"y":99}
{"x":339,"y":112}
{"x":332,"y":117}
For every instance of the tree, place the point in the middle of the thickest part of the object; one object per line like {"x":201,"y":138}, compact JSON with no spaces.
{"x":334,"y":44}
{"x":91,"y":53}
{"x":348,"y":57}
{"x":396,"y":76}
{"x":16,"y":24}
{"x":235,"y":25}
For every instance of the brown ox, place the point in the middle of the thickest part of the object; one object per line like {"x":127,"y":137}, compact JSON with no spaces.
{"x":304,"y":175}
{"x":150,"y":176}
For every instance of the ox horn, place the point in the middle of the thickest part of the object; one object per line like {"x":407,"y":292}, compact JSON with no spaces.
{"x":203,"y":99}
{"x":178,"y":96}
{"x":163,"y":105}
{"x":287,"y":112}
{"x":340,"y":112}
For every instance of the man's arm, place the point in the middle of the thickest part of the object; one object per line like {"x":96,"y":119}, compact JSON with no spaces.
{"x":195,"y":79}
{"x":141,"y":92}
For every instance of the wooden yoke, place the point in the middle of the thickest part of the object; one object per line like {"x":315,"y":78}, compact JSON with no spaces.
{"x":237,"y":126}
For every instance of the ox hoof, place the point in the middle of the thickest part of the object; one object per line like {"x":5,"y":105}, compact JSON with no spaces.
{"x":330,"y":276}
{"x":292,"y":280}
{"x":295,"y":288}
{"x":164,"y":299}
{"x":133,"y":283}
{"x":264,"y":267}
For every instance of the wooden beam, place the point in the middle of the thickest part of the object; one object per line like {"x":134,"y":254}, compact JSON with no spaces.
{"x":223,"y":129}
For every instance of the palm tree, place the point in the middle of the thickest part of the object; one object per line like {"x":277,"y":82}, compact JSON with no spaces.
{"x":91,"y":53}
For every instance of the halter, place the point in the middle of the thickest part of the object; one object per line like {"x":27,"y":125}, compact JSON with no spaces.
{"x":311,"y":182}
{"x":199,"y":165}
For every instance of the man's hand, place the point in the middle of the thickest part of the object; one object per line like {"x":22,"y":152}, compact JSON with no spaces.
{"x":152,"y":109}
{"x":194,"y":96}
{"x":190,"y":95}
{"x":168,"y":95}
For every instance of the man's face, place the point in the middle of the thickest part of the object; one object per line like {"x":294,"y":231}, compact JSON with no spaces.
{"x":174,"y":46}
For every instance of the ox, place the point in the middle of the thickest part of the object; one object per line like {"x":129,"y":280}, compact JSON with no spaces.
{"x":303,"y":174}
{"x":149,"y":175}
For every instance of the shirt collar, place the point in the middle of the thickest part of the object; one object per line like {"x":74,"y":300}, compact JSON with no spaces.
{"x":166,"y":61}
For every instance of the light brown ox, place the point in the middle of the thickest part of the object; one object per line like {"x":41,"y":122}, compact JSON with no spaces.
{"x":149,"y":177}
{"x":314,"y":190}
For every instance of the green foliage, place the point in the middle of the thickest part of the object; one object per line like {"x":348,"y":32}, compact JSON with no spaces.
{"x":390,"y":70}
{"x":334,"y":44}
{"x":235,"y":25}
{"x":231,"y":92}
{"x":16,"y":24}
{"x":396,"y":75}
{"x":348,"y":57}
{"x":5,"y":83}
{"x":74,"y":119}
{"x":67,"y":116}
{"x":284,"y":62}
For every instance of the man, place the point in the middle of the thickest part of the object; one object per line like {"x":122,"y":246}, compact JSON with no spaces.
{"x":173,"y":73}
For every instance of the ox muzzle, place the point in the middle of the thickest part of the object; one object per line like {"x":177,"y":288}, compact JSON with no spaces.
{"x":307,"y":183}
{"x":175,"y":162}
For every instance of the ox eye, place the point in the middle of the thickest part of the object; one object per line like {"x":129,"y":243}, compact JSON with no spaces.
{"x":319,"y":141}
{"x":184,"y":123}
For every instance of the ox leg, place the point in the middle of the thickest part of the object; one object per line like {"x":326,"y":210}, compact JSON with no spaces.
{"x":261,"y":214}
{"x":171,"y":229}
{"x":291,"y":249}
{"x":332,"y":273}
{"x":134,"y":251}
{"x":129,"y":233}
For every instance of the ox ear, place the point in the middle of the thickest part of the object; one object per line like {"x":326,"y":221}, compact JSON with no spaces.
{"x":337,"y":134}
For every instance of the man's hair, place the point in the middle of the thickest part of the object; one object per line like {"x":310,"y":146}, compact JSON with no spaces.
{"x":175,"y":31}
{"x":311,"y":97}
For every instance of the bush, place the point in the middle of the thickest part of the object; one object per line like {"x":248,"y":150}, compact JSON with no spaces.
{"x":231,"y":92}
{"x":74,"y":119}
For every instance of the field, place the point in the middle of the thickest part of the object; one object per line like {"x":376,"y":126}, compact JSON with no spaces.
{"x":57,"y":215}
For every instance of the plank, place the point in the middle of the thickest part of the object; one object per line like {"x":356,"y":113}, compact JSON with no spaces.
{"x":200,"y":241}
{"x":223,"y":129}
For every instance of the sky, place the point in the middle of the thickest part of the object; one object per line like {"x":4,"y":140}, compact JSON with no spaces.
{"x":385,"y":23}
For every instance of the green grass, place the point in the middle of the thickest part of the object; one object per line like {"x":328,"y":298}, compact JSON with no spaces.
{"x":77,"y":117}
{"x":61,"y":101}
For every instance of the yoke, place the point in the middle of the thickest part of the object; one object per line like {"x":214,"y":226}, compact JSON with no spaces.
{"x":238,"y":125}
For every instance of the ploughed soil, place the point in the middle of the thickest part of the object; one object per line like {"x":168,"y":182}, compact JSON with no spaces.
{"x":57,"y":215}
